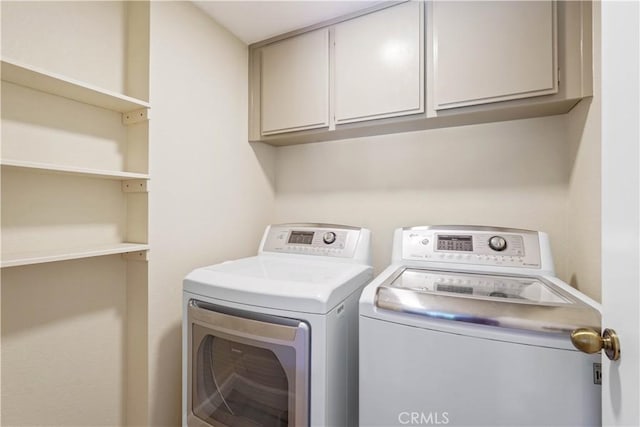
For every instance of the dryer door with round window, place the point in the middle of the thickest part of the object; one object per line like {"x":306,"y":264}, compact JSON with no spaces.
{"x":246,"y":369}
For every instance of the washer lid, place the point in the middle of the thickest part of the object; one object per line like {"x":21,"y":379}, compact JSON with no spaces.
{"x":285,"y":283}
{"x":510,"y":301}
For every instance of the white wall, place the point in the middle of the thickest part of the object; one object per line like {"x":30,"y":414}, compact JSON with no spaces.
{"x":210,"y":197}
{"x":512,"y":174}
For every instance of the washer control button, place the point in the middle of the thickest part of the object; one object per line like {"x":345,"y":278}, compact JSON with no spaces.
{"x":498,"y":243}
{"x":329,"y":237}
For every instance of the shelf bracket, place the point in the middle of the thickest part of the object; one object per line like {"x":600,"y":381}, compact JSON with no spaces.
{"x":135,"y":186}
{"x":135,"y":116}
{"x":136,"y":256}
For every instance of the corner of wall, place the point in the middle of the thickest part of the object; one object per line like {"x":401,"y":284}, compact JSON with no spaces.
{"x":584,"y":199}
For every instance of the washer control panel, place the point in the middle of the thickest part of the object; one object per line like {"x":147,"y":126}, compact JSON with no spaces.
{"x":317,"y":239}
{"x":472,"y":245}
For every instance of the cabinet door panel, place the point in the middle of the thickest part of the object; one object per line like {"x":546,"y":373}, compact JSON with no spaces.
{"x":295,"y":83}
{"x":488,"y":51}
{"x":378,"y":64}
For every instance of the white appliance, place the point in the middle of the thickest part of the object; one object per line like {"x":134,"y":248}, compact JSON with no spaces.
{"x":273,"y":339}
{"x":470,"y":326}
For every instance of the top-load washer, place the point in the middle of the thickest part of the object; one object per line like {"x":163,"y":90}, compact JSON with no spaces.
{"x":271,"y":340}
{"x":473,"y":328}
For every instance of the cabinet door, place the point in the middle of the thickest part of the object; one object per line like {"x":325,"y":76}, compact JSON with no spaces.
{"x":379,"y":64}
{"x":488,"y":51}
{"x":295,"y":83}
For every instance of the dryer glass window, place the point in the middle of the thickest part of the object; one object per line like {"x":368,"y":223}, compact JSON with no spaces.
{"x":240,"y":384}
{"x":246,"y":369}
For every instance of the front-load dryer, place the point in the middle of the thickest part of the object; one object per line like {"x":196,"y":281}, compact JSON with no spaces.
{"x":272,"y":340}
{"x":473,"y":328}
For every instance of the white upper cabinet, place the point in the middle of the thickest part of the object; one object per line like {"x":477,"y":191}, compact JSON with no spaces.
{"x":379,"y":64}
{"x":488,"y":51}
{"x":416,"y":65}
{"x":295,"y":83}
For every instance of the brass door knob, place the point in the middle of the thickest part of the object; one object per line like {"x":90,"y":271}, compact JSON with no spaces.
{"x":590,"y":341}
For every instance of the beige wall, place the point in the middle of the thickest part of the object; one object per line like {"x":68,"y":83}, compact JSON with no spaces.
{"x":541,"y":174}
{"x":210,"y":198}
{"x":584,"y":203}
{"x":511,"y":174}
{"x":63,"y":349}
{"x":82,"y":40}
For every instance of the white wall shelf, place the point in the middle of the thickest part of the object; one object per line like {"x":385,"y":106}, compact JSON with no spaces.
{"x":39,"y":257}
{"x":75,"y":207}
{"x":53,"y":168}
{"x":56,"y":84}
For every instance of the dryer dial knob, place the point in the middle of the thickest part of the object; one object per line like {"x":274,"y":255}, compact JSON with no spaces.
{"x":498,"y":243}
{"x":329,"y":237}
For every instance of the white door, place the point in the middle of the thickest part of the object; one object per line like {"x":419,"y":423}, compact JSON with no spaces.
{"x":620,"y":208}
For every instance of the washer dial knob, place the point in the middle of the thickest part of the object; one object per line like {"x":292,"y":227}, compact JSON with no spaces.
{"x":498,"y":243}
{"x":329,"y":237}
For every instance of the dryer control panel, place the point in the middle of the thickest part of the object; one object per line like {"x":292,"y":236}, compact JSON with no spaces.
{"x":490,"y":246}
{"x":317,"y":239}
